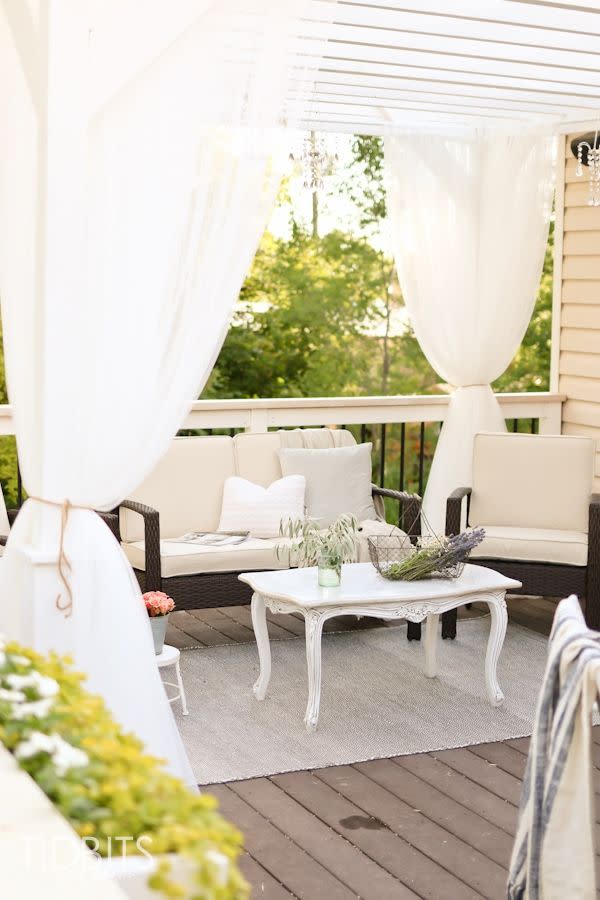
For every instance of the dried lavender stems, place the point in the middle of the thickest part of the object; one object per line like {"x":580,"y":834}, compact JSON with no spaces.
{"x":432,"y":557}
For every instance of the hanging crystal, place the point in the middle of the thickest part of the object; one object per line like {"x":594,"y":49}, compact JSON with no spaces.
{"x":588,"y":154}
{"x":316,"y":161}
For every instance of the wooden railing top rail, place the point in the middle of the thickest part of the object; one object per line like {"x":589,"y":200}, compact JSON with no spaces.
{"x":262,"y":414}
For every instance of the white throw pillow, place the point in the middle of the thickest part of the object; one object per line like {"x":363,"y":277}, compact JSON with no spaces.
{"x":251,"y":507}
{"x":338,"y":481}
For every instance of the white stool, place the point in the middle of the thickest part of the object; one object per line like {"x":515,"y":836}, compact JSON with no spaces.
{"x":170,"y":657}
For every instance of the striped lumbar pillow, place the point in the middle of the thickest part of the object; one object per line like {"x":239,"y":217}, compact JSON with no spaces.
{"x":251,"y":507}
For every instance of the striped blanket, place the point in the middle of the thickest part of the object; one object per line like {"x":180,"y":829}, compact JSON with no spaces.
{"x":553,"y":854}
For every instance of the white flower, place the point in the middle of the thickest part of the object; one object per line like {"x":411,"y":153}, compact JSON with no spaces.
{"x":44,"y":686}
{"x":35,"y":743}
{"x":19,"y":660}
{"x":2,"y":658}
{"x":64,"y":756}
{"x":221,"y":863}
{"x":18,"y":682}
{"x":12,"y":696}
{"x":37,"y":709}
{"x":67,"y":757}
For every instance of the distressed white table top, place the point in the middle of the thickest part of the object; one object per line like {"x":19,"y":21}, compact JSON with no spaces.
{"x":361,"y":583}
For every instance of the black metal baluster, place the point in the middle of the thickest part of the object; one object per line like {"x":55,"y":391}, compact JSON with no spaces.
{"x":382,"y":457}
{"x":515,"y":426}
{"x":363,"y":433}
{"x":421,"y":456}
{"x":533,"y":425}
{"x":402,"y":454}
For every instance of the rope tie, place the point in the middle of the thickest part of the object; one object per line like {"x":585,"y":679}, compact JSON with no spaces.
{"x":63,"y":564}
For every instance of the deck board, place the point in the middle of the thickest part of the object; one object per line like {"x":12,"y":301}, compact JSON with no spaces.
{"x":278,"y":854}
{"x":416,"y":871}
{"x":434,"y":825}
{"x":352,"y":867}
{"x":463,"y":823}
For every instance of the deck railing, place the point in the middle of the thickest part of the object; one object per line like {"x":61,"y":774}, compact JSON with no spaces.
{"x":403,"y":429}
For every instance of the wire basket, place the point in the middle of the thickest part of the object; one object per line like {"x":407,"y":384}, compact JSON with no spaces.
{"x":389,"y":552}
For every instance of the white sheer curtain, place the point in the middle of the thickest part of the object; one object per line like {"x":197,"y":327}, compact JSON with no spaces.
{"x":136,"y":176}
{"x":469,"y":223}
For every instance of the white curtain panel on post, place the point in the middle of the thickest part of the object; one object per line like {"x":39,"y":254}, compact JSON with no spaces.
{"x":469,"y":221}
{"x":136,"y":175}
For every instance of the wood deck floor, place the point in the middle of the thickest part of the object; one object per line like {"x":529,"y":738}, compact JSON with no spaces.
{"x":437,"y":825}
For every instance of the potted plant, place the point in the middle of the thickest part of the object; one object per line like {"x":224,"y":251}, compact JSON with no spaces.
{"x":106,"y":786}
{"x":158,"y":606}
{"x":328,"y":548}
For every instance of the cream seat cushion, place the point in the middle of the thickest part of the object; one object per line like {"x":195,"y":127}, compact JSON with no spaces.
{"x":252,"y":554}
{"x":533,"y":545}
{"x":187,"y":559}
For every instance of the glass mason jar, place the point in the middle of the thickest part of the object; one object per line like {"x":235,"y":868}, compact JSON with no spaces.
{"x":330,"y":571}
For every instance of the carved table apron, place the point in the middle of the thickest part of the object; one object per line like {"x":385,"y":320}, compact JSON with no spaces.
{"x":328,"y":603}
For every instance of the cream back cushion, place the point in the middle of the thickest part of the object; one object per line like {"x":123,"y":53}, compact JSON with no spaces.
{"x":186,"y":488}
{"x":532,"y":481}
{"x":256,"y":455}
{"x":260,"y":510}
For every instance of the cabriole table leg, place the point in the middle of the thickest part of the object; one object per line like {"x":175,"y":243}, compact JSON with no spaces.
{"x":261,"y":633}
{"x":431,"y":636}
{"x":314,"y":622}
{"x":499,"y":619}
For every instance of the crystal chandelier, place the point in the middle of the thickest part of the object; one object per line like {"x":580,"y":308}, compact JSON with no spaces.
{"x":316,"y":161}
{"x":587,"y":151}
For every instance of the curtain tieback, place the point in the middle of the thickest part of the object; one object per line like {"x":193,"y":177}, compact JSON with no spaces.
{"x":63,"y":563}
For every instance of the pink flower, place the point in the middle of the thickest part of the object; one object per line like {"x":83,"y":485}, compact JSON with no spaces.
{"x":158,"y":603}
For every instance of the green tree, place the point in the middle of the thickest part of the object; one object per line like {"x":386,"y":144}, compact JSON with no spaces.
{"x":530,"y":368}
{"x":301,"y":327}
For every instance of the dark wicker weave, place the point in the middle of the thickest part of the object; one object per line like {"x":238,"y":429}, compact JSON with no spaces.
{"x":539,"y":578}
{"x":212,"y":589}
{"x":111,"y":519}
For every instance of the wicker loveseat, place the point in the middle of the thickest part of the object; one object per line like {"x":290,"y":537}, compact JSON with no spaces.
{"x":532,"y":494}
{"x":184,"y":493}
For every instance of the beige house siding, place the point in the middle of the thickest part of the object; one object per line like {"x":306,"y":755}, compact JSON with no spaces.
{"x":578,"y":269}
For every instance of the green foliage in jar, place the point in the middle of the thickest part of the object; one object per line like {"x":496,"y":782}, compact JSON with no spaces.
{"x":306,"y":542}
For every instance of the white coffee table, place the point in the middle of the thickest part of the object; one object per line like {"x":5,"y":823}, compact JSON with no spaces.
{"x":364,"y":592}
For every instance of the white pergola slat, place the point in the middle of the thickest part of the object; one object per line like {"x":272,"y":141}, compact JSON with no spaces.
{"x":458,"y":64}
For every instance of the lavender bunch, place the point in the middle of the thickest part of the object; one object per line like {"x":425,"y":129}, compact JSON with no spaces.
{"x":438,"y":558}
{"x":460,"y":545}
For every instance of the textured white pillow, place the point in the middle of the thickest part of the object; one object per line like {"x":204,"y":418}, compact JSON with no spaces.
{"x":259,"y":510}
{"x":338,"y":481}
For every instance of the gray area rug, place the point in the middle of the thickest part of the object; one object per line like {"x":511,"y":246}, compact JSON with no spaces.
{"x":375,"y":700}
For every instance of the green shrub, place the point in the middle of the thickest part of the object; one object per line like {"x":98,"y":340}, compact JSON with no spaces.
{"x":102,"y":781}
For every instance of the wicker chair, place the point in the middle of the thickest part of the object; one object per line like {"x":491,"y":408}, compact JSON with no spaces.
{"x":251,"y":456}
{"x":532,"y":494}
